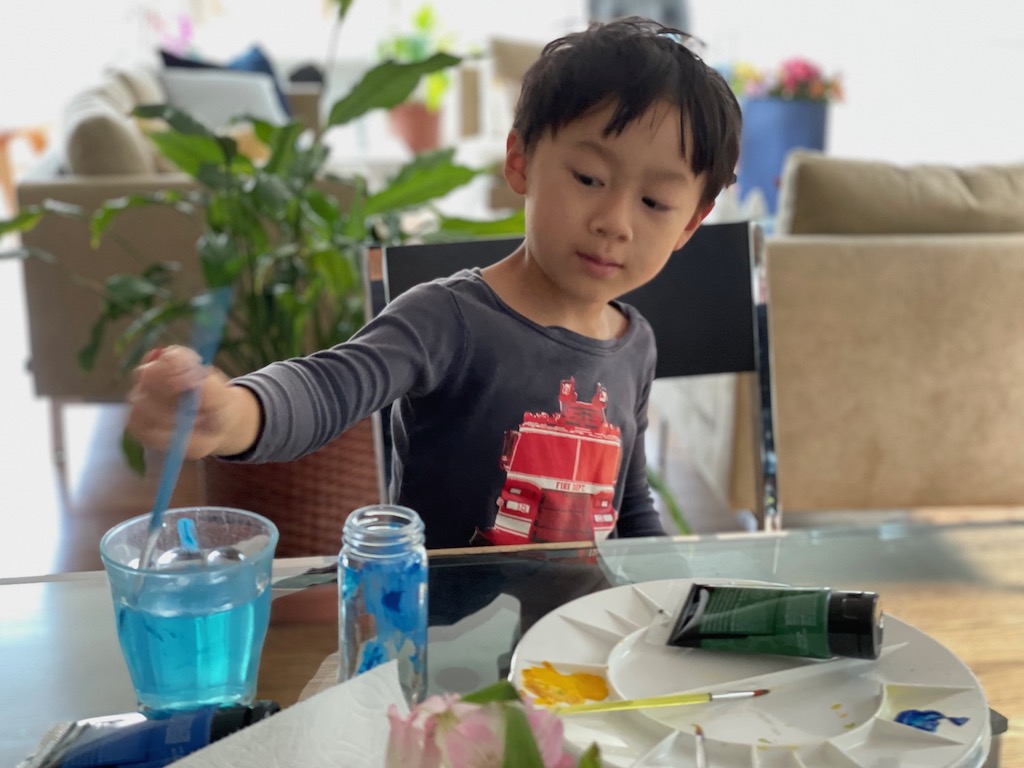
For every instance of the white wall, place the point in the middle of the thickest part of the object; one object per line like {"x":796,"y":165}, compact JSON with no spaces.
{"x":926,"y":80}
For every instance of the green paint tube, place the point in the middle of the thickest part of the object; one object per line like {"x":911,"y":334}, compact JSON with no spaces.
{"x":792,"y":621}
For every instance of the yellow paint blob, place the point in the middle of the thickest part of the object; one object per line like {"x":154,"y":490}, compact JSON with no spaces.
{"x":549,"y":686}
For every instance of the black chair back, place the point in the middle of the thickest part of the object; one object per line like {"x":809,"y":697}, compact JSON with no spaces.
{"x":701,"y":305}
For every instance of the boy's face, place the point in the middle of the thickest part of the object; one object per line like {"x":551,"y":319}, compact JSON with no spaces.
{"x":604,"y":213}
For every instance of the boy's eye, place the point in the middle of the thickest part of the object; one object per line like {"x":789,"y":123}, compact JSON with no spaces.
{"x":586,"y":181}
{"x":654,"y":205}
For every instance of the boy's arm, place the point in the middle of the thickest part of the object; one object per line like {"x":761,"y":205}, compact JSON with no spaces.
{"x":411,"y":347}
{"x":638,"y":516}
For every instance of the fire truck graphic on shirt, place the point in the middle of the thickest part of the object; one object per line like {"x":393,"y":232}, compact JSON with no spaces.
{"x":561,"y":471}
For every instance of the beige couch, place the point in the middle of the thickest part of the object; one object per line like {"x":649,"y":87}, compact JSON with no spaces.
{"x":102,"y":153}
{"x":897,"y":335}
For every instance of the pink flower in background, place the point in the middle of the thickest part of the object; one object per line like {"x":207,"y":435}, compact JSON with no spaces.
{"x":794,"y":78}
{"x":446,"y":732}
{"x":174,"y":34}
{"x":794,"y":73}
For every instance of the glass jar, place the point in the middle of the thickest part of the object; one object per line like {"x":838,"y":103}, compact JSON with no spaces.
{"x":382,"y":595}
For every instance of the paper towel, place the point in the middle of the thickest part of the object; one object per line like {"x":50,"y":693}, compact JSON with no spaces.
{"x":345,"y":725}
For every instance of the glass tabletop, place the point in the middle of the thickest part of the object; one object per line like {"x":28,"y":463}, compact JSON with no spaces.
{"x":961,"y":584}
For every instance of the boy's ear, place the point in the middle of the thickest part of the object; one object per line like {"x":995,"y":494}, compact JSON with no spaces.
{"x":515,"y":163}
{"x":698,"y":216}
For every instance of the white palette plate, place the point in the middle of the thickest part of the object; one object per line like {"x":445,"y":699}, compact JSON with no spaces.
{"x":839,"y":713}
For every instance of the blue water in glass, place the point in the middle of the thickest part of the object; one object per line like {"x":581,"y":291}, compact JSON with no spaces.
{"x":182,"y":653}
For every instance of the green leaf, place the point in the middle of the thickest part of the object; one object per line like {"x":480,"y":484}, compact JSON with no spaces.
{"x":426,"y":178}
{"x":521,"y":749}
{"x":111,"y":209}
{"x":220,"y":259}
{"x":17,"y":254}
{"x":343,"y":6}
{"x":502,"y":690}
{"x":126,"y":291}
{"x":272,"y":195}
{"x":308,"y":163}
{"x":60,"y":208}
{"x":281,"y":141}
{"x":24,"y":221}
{"x":28,"y":217}
{"x":386,"y":85}
{"x":222,"y":177}
{"x":31,"y":252}
{"x":515,"y":224}
{"x":338,"y":272}
{"x":178,"y":119}
{"x":160,"y":272}
{"x":190,"y":152}
{"x":152,"y":324}
{"x":425,"y":162}
{"x":591,"y":758}
{"x":133,"y":452}
{"x":659,"y":486}
{"x":87,"y":354}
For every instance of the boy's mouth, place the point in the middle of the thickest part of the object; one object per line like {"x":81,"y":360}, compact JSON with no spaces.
{"x":598,"y":265}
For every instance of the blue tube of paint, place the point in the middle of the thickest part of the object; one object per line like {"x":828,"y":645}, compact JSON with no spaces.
{"x":134,"y":740}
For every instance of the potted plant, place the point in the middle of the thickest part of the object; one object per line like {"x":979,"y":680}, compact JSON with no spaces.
{"x":417,"y":119}
{"x":783,"y":109}
{"x":286,"y":239}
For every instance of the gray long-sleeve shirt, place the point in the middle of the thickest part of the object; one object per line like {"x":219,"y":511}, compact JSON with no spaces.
{"x":485,"y":417}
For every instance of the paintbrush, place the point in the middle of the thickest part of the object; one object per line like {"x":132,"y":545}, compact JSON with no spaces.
{"x":211,"y":315}
{"x":702,"y":755}
{"x":672,"y":700}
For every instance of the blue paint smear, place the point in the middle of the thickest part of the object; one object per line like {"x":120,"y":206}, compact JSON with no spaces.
{"x":927,"y":719}
{"x":394,"y":594}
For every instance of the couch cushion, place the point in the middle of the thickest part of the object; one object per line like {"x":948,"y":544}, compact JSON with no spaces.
{"x":828,"y":195}
{"x":142,"y":82}
{"x":215,"y":96}
{"x":251,"y":60}
{"x":101,"y":137}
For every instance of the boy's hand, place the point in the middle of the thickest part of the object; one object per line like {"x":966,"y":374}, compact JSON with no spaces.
{"x":228,"y":418}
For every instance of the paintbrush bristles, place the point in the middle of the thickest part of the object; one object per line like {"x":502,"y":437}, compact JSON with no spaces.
{"x":738,"y":694}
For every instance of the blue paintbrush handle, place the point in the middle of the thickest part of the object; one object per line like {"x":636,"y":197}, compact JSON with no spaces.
{"x":185,"y":417}
{"x":211,"y":315}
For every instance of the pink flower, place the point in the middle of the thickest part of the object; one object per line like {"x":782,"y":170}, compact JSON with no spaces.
{"x":477,"y":740}
{"x":411,"y":739}
{"x":548,"y":730}
{"x":794,"y":78}
{"x":445,"y":732}
{"x":797,"y":72}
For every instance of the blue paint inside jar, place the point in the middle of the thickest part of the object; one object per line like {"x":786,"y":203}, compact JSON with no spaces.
{"x":383,"y":596}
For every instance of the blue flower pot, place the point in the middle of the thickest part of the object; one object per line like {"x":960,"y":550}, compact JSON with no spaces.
{"x":771,"y":129}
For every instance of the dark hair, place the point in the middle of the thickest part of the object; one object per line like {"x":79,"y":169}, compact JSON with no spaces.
{"x":634,"y":62}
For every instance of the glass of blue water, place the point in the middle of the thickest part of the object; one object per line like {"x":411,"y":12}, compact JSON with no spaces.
{"x":192,"y":625}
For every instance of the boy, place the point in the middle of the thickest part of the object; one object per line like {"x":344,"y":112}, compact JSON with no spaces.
{"x":521,"y":389}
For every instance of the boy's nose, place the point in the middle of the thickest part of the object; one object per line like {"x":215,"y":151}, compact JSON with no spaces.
{"x":611,"y":219}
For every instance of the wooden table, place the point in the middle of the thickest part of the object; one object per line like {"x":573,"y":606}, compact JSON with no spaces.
{"x":962,"y":584}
